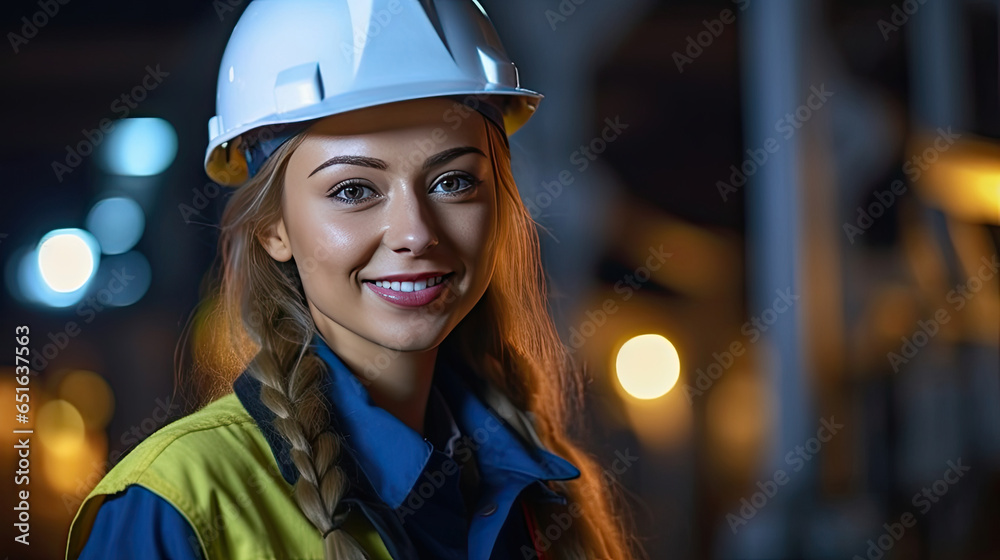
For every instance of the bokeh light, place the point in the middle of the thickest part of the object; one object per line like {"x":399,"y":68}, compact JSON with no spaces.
{"x":67,"y":259}
{"x":8,"y":390}
{"x":91,"y":395}
{"x":75,"y":475}
{"x":59,"y":427}
{"x":139,"y":147}
{"x":20,"y":272}
{"x":964,"y":180}
{"x":647,"y":366}
{"x":117,"y":223}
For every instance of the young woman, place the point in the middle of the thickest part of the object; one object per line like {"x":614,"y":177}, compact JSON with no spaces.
{"x":407,"y":395}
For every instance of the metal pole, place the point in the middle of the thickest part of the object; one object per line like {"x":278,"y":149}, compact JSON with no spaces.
{"x":770,"y":48}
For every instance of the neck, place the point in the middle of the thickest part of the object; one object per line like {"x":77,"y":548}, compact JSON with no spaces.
{"x":401,"y":387}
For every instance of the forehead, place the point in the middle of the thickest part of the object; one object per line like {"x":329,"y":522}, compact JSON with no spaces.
{"x":437,"y":120}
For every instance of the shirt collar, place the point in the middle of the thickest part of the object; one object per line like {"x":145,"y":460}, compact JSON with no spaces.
{"x":498,"y":446}
{"x":390,"y":454}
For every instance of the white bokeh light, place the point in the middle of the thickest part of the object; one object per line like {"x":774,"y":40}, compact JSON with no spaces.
{"x":648,"y":366}
{"x":67,"y":259}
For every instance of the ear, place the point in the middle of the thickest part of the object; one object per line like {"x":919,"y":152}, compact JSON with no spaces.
{"x":275,"y":241}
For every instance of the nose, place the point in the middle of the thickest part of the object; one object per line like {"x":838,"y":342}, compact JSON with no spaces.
{"x":411,"y":227}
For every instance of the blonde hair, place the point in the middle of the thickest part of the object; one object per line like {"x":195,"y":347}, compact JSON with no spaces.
{"x":508,"y":339}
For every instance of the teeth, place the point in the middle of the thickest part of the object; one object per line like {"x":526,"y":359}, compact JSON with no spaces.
{"x":410,"y":286}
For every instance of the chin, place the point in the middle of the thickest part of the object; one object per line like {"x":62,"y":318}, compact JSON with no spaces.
{"x":414,"y":339}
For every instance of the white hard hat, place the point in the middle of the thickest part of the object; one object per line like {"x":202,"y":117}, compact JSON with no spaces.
{"x":292,"y":61}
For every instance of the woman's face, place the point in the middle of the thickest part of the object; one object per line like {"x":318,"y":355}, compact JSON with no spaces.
{"x":389,"y":213}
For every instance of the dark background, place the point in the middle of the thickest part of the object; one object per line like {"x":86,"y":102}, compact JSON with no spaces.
{"x":700,"y":451}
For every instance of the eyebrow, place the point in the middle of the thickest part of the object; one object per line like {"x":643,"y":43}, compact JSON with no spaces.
{"x":375,"y":163}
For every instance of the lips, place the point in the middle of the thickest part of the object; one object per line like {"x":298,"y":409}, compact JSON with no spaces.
{"x":411,"y":286}
{"x":409,"y":293}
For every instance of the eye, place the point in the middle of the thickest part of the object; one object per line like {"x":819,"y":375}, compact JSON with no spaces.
{"x":352,"y":192}
{"x":455,"y":183}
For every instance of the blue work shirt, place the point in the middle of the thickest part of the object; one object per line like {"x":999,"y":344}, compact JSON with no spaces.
{"x":409,"y":486}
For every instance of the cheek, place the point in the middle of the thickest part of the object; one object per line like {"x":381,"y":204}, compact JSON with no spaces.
{"x":324,"y":247}
{"x":473,"y":231}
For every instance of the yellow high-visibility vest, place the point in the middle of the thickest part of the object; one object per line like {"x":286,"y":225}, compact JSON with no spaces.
{"x":215,"y":467}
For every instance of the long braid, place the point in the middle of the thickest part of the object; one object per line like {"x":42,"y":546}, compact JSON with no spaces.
{"x":267,"y":296}
{"x":302,"y":419}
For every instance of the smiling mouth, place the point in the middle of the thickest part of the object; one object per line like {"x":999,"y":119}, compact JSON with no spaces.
{"x":410,"y":286}
{"x":410,"y":294}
